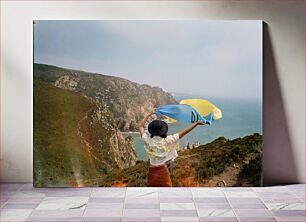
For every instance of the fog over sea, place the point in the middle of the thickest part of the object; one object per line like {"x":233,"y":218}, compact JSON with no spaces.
{"x":241,"y":117}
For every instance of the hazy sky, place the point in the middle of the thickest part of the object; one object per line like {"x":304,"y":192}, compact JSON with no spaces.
{"x":207,"y":58}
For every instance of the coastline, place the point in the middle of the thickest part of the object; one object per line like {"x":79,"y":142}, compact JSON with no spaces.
{"x":131,"y":132}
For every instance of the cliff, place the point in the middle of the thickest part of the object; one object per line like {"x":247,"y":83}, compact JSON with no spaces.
{"x":76,"y":142}
{"x":127,"y":101}
{"x":222,"y":162}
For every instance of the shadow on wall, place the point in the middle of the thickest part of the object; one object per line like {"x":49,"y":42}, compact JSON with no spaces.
{"x":278,"y":160}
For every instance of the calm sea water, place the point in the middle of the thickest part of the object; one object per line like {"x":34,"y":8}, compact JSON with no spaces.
{"x":240,"y":118}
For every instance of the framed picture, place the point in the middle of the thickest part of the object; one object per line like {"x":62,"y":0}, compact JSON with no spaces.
{"x":147,"y":103}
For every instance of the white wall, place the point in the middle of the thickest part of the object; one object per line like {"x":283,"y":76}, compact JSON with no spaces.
{"x":284,"y":86}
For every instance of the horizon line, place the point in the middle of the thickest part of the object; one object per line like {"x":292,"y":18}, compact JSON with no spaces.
{"x":171,"y":92}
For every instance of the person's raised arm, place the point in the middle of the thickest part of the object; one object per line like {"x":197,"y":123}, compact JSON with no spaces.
{"x":143,"y":122}
{"x":189,"y":128}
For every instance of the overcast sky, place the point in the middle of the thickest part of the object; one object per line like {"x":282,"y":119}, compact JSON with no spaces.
{"x":207,"y":58}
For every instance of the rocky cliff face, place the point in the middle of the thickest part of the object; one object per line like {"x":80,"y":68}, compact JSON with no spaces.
{"x":128,"y":101}
{"x":97,"y":127}
{"x":76,"y":142}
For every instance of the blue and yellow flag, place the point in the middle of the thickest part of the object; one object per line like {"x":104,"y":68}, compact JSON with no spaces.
{"x":190,"y":111}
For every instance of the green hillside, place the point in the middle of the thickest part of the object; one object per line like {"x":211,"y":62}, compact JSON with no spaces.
{"x":128,"y":101}
{"x":73,"y":139}
{"x":222,"y":162}
{"x":77,"y":142}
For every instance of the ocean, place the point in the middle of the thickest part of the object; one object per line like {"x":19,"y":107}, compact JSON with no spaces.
{"x":240,"y":118}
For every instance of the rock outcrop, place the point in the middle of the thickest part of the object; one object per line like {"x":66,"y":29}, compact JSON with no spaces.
{"x":99,"y":128}
{"x":127,"y":101}
{"x":76,"y":142}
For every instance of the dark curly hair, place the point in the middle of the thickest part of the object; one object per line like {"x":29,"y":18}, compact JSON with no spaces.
{"x":158,"y":128}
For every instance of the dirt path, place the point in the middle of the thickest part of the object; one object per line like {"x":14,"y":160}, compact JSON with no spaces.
{"x":229,"y":177}
{"x":87,"y":145}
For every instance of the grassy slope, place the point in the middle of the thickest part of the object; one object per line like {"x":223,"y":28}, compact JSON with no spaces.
{"x":59,"y":155}
{"x":197,"y":166}
{"x":135,"y":176}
